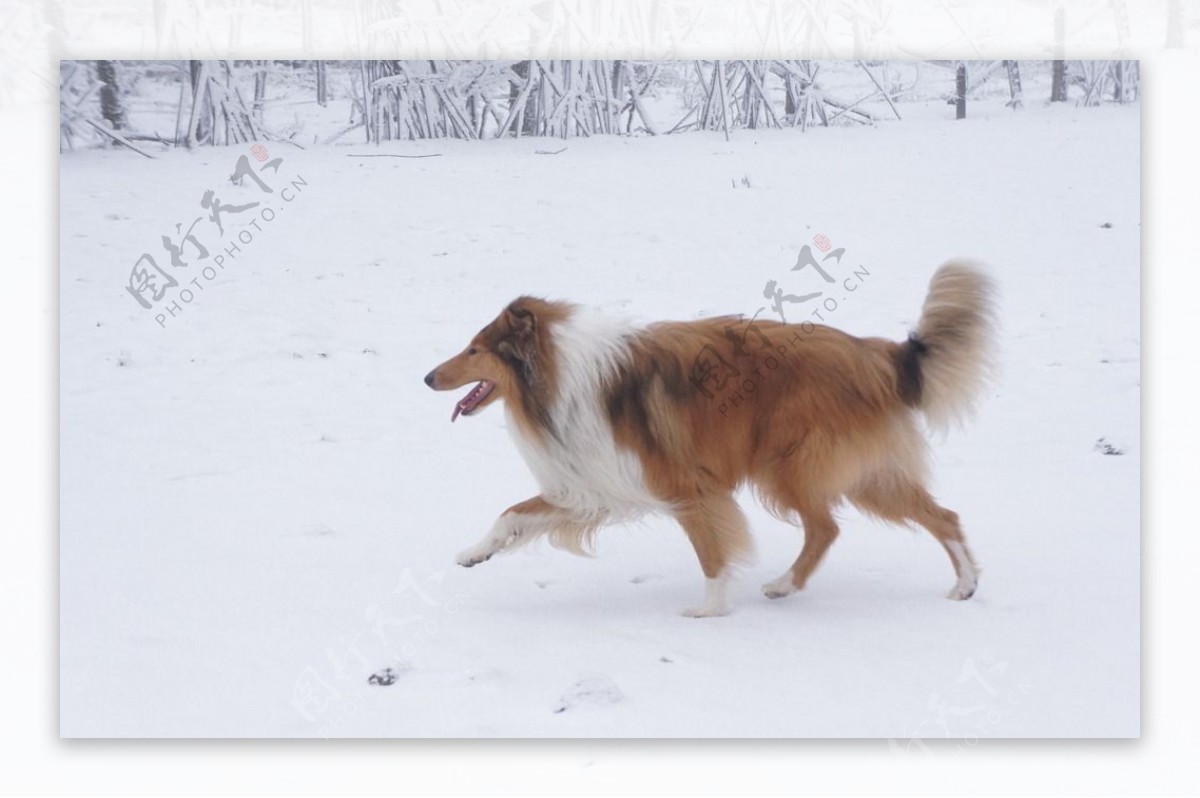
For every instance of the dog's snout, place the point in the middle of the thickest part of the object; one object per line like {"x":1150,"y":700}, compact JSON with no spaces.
{"x":430,"y":377}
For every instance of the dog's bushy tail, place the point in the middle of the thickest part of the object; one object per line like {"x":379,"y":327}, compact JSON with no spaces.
{"x":948,"y":360}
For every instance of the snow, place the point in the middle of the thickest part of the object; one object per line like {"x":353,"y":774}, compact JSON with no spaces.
{"x":261,"y":501}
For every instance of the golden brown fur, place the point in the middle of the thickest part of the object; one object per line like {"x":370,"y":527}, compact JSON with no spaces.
{"x":806,"y":414}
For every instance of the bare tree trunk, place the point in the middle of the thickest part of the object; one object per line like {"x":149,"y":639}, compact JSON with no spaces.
{"x":719,"y":79}
{"x":1058,"y":80}
{"x":112,"y":107}
{"x":200,"y":124}
{"x":260,"y":89}
{"x":1058,"y":83}
{"x":322,"y":85}
{"x":619,"y":80}
{"x":960,"y":91}
{"x":529,"y":122}
{"x":368,"y":110}
{"x":789,"y":99}
{"x":1014,"y":84}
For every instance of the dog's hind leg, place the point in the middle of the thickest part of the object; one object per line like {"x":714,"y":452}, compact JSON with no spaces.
{"x":900,"y":500}
{"x":718,"y":531}
{"x":820,"y":530}
{"x":524,"y":522}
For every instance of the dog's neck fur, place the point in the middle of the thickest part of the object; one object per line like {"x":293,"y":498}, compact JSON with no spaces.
{"x":577,"y":462}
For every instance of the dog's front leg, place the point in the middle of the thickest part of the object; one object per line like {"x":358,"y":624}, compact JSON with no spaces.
{"x":718,"y":532}
{"x":515,"y":526}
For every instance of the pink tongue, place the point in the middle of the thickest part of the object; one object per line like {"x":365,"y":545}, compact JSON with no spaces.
{"x":469,"y":401}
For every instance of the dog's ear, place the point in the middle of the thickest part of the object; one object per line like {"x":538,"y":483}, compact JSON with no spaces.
{"x":518,"y":345}
{"x":520,"y":319}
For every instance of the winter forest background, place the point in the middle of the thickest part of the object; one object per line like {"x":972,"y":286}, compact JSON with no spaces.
{"x":148,"y":105}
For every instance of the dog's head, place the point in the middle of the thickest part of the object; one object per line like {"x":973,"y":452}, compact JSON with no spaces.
{"x":509,"y":359}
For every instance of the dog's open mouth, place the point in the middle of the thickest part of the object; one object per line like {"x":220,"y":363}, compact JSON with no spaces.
{"x":468,"y":403}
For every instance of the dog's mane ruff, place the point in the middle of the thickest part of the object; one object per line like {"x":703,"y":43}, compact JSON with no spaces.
{"x":579,"y":465}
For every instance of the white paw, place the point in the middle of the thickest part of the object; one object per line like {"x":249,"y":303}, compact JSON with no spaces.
{"x":706,"y":611}
{"x":962,"y":590}
{"x":474,"y":556}
{"x":779,"y":588}
{"x":715,"y":602}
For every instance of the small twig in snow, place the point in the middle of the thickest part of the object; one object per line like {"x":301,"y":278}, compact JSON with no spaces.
{"x":390,"y":155}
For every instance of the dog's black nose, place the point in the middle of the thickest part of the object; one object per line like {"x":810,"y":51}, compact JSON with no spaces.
{"x":429,"y":378}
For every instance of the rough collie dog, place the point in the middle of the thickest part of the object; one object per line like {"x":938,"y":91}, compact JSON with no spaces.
{"x":616,"y":421}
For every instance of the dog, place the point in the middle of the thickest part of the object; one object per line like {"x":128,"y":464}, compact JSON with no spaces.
{"x":616,"y":421}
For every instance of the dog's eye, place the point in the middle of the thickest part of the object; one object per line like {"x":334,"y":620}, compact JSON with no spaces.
{"x":472,"y":351}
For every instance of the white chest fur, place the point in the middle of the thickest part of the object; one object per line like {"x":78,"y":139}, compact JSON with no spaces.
{"x":584,"y":471}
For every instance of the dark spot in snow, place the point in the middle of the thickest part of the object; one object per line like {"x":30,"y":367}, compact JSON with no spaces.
{"x":1107,"y":225}
{"x":1104,"y":447}
{"x":665,"y":659}
{"x":369,"y":351}
{"x":383,"y":678}
{"x":322,"y":354}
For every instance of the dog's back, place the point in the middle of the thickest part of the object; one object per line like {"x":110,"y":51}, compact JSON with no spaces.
{"x":801,"y":408}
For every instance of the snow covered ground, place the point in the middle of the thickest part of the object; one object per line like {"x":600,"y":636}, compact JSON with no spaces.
{"x":261,"y":501}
